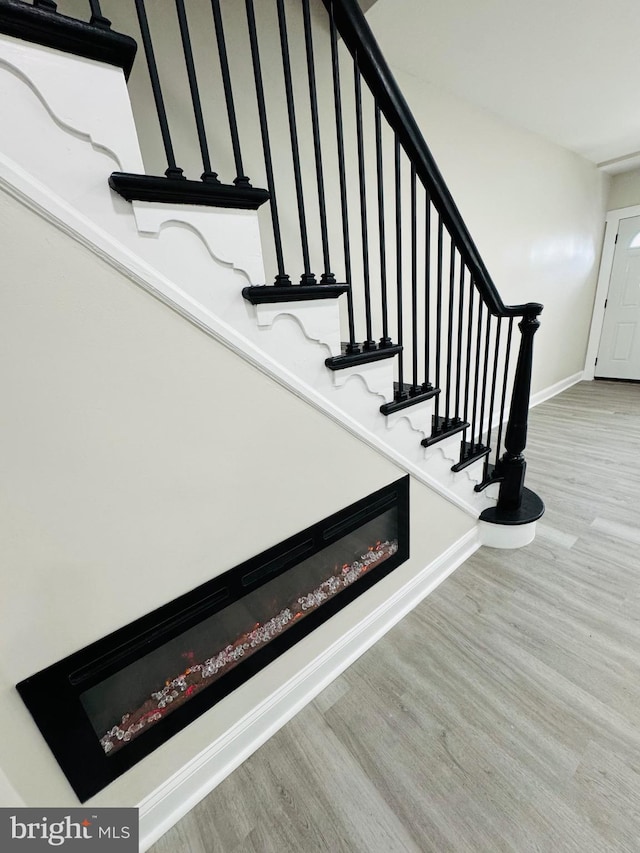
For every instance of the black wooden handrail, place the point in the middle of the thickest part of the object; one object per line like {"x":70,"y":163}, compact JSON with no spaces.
{"x":422,"y":293}
{"x":361,"y":42}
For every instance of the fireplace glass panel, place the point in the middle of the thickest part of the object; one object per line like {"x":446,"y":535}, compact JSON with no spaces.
{"x":105,"y":707}
{"x":129,"y":702}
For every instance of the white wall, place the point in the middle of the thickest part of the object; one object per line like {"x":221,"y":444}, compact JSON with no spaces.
{"x":141,"y":459}
{"x":624,"y":190}
{"x":535,"y":211}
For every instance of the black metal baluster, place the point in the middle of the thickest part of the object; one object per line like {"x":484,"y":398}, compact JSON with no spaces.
{"x":352,"y":346}
{"x":476,"y":384}
{"x":459,"y":349}
{"x":483,"y":396}
{"x":398,"y":195}
{"x":385,"y":340}
{"x":438,"y":319}
{"x":241,"y":180}
{"x":369,"y":343}
{"x":503,"y":402}
{"x":208,"y":174}
{"x":415,"y":387}
{"x":494,"y":382}
{"x":281,"y":279}
{"x":327,"y":276}
{"x":452,"y":272}
{"x":172,"y":171}
{"x":427,"y":386}
{"x":467,"y":383}
{"x":307,"y":277}
{"x":97,"y":18}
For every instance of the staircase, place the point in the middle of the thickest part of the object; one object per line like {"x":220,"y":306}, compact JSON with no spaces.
{"x":342,"y":265}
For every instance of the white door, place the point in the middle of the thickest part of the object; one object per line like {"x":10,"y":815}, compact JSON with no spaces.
{"x":619,"y":352}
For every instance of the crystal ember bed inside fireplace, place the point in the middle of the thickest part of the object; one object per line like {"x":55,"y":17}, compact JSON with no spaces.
{"x":107,"y":706}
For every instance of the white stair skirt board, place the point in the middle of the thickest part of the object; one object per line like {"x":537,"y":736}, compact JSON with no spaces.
{"x":179,"y":794}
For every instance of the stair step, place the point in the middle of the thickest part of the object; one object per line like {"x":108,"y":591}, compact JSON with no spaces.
{"x":339,"y":362}
{"x":470,"y":453}
{"x":268,"y":294}
{"x":408,"y":396}
{"x":182,"y":191}
{"x":443,"y":428}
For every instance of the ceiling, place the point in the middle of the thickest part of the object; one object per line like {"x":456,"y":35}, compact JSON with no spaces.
{"x":566,"y":69}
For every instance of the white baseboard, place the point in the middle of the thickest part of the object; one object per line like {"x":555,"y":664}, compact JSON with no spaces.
{"x":557,"y":388}
{"x":179,"y":794}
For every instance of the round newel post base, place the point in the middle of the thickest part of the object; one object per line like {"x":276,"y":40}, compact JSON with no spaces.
{"x":515,"y":528}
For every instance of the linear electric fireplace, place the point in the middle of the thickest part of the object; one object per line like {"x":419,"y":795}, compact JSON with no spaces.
{"x":105,"y":707}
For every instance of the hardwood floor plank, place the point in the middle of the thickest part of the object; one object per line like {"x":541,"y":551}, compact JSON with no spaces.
{"x":503,"y":713}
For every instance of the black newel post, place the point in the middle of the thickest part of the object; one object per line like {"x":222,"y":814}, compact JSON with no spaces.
{"x":512,"y":466}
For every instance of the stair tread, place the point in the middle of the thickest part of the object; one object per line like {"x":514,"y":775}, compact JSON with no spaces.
{"x":271,"y":293}
{"x":442,"y":429}
{"x":339,"y":362}
{"x":405,"y":398}
{"x":133,"y":187}
{"x":469,"y":455}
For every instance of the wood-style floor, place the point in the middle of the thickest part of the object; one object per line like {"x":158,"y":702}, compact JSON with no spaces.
{"x":502,"y":714}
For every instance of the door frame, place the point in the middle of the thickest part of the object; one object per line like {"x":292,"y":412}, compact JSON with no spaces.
{"x":612,"y":223}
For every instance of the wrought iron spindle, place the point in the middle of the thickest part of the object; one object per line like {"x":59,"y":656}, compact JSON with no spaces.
{"x":385,"y":340}
{"x":476,"y":383}
{"x":467,"y":381}
{"x":97,"y":18}
{"x":452,"y":272}
{"x":369,"y":343}
{"x":352,"y":346}
{"x":503,"y":401}
{"x":483,"y":394}
{"x":207,"y":175}
{"x":327,"y":276}
{"x":172,"y":171}
{"x":415,"y":387}
{"x":428,"y":386}
{"x":459,"y":347}
{"x":241,"y":180}
{"x":282,"y":279}
{"x":307,"y":277}
{"x":494,"y":380}
{"x":438,"y":315}
{"x":399,"y":311}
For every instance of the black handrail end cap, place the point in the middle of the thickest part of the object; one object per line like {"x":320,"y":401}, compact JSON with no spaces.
{"x":531,"y":509}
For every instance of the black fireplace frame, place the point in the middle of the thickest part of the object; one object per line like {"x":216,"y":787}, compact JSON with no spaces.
{"x":53,"y":694}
